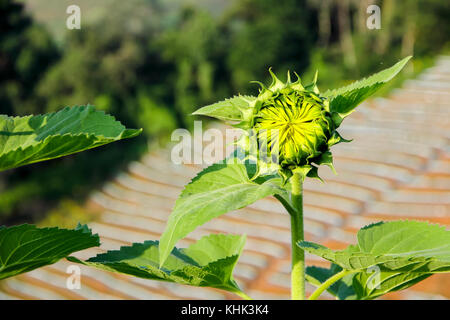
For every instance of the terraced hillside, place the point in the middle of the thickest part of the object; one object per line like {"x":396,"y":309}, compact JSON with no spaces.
{"x":397,"y":167}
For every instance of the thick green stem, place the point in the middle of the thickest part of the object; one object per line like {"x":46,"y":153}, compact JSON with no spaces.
{"x":324,"y":286}
{"x":297,"y":234}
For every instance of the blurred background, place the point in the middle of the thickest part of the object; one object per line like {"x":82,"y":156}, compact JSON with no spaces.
{"x":150,"y":63}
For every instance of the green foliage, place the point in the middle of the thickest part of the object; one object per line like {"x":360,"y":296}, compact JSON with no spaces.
{"x":27,"y":50}
{"x":209,"y":262}
{"x":67,"y":214}
{"x":371,"y":285}
{"x":225,"y":187}
{"x":25,"y":140}
{"x":176,"y":55}
{"x":30,"y":139}
{"x":152,"y":73}
{"x":341,"y":289}
{"x":216,"y":190}
{"x":390,"y":256}
{"x":344,"y":100}
{"x":24,"y":198}
{"x":393,"y":245}
{"x":232,"y":109}
{"x":193,"y":53}
{"x":26,"y":247}
{"x":296,"y":121}
{"x":150,"y":109}
{"x":267,"y":33}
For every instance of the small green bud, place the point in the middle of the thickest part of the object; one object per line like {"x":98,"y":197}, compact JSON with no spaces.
{"x":294,"y":121}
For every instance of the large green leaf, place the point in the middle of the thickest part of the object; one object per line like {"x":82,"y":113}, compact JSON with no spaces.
{"x":365,"y":285}
{"x":393,"y":245}
{"x":26,"y":247}
{"x":30,"y":139}
{"x":233,"y":109}
{"x":344,"y":100}
{"x":391,"y":256}
{"x":218,"y":189}
{"x":207,"y":263}
{"x":370,"y":285}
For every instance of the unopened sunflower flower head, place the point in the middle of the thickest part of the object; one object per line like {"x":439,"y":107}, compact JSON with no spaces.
{"x":292,"y":123}
{"x":290,"y":127}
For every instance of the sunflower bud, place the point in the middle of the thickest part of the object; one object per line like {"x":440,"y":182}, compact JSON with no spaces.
{"x":295,"y":122}
{"x":289,"y":127}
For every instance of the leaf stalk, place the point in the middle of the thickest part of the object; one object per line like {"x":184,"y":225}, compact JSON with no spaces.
{"x":324,"y":286}
{"x":243,"y":295}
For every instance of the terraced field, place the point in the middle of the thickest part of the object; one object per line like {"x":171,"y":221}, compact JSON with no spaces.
{"x":397,"y":167}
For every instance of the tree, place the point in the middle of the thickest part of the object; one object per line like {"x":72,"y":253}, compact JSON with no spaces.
{"x":26,"y":52}
{"x":268,"y":33}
